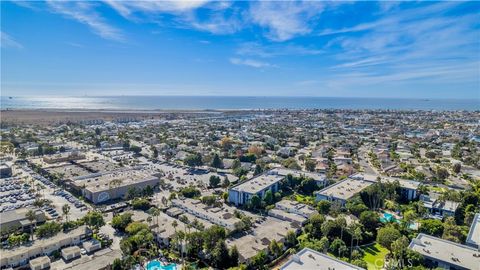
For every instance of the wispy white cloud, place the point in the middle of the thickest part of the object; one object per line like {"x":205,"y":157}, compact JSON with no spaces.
{"x":272,"y":50}
{"x":7,"y":41}
{"x":251,"y":63}
{"x":129,"y":8}
{"x":285,"y":19}
{"x":84,"y":12}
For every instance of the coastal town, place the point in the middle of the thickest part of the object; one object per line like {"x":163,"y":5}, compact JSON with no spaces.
{"x":240,"y":189}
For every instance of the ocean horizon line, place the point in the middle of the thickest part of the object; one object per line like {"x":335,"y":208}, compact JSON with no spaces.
{"x":234,"y":96}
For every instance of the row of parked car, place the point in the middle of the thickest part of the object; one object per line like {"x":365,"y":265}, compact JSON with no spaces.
{"x":14,"y":194}
{"x":51,"y":211}
{"x":70,"y":198}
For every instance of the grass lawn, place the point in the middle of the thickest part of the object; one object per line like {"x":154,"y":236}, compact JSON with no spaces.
{"x":374,"y":253}
{"x":304,"y":199}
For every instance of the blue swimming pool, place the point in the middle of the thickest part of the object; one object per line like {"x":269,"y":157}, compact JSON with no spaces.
{"x":156,"y":265}
{"x":387,"y":217}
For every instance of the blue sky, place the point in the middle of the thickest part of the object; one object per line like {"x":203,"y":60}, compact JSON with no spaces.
{"x":339,"y":49}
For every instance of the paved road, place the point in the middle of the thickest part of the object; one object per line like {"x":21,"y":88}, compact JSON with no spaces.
{"x":363,"y":161}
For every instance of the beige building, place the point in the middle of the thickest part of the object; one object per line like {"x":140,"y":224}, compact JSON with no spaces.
{"x":63,"y":157}
{"x":100,"y":188}
{"x":21,"y":255}
{"x":11,"y":221}
{"x":40,"y":263}
{"x":70,"y":253}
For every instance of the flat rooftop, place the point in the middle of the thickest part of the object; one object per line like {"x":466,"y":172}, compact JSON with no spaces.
{"x":446,"y":251}
{"x":473,"y":237}
{"x":296,"y":206}
{"x":345,"y":189}
{"x":409,"y":184}
{"x":263,"y":232}
{"x":124,"y":178}
{"x":311,"y":259}
{"x":224,"y":214}
{"x":45,"y":242}
{"x":258,"y":183}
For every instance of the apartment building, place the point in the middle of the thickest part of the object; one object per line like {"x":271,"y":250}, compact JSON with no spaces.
{"x":241,"y":193}
{"x":42,"y":247}
{"x":222,"y":216}
{"x":310,"y":259}
{"x":440,"y":253}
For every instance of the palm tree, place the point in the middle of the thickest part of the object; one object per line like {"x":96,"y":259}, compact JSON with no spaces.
{"x":66,"y":211}
{"x":342,"y":223}
{"x":30,"y":215}
{"x":358,"y":234}
{"x":155,"y":212}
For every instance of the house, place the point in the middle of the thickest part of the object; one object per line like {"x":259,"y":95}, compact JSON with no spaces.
{"x":310,"y":259}
{"x":440,"y":253}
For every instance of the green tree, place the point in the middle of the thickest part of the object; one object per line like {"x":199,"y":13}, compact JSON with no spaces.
{"x":457,"y":167}
{"x":323,"y":207}
{"x":268,"y":198}
{"x":194,"y":160}
{"x":94,"y":219}
{"x":120,"y":222}
{"x":255,"y":202}
{"x":214,"y":181}
{"x":399,"y":250}
{"x":32,"y":217}
{"x":290,"y":239}
{"x":387,"y":235}
{"x":315,"y":225}
{"x":275,"y":248}
{"x":48,"y":229}
{"x":324,"y":244}
{"x":258,"y":170}
{"x":431,"y":226}
{"x":66,"y":211}
{"x":369,"y":220}
{"x":220,"y":256}
{"x":259,"y":260}
{"x":233,"y":256}
{"x":216,"y":161}
{"x":310,"y":165}
{"x":140,"y":203}
{"x":452,"y":232}
{"x":338,"y":247}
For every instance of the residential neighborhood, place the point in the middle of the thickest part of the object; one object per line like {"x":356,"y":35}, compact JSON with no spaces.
{"x":271,"y":189}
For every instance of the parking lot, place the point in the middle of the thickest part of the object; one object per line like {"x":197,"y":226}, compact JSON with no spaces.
{"x":14,"y":194}
{"x":58,"y":197}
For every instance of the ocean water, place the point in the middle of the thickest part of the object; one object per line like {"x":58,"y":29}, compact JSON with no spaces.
{"x":232,"y":103}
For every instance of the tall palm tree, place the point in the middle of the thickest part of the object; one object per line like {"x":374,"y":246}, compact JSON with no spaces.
{"x":30,"y":215}
{"x":66,"y":211}
{"x":342,"y":223}
{"x":358,"y":234}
